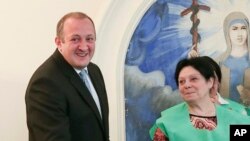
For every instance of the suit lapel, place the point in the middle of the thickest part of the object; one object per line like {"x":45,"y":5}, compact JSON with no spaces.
{"x":77,"y":83}
{"x":86,"y":95}
{"x":98,"y":82}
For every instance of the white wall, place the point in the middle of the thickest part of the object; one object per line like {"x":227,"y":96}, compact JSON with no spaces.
{"x":27,"y":31}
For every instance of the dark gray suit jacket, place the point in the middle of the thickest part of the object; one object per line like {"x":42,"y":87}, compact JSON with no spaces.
{"x":60,"y":108}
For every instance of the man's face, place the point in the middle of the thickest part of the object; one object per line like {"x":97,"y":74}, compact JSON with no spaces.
{"x":77,"y":44}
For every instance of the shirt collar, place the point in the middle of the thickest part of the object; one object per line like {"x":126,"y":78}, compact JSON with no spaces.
{"x":78,"y":70}
{"x":221,"y":100}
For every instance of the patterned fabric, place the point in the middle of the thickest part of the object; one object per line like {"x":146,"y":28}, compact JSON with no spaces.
{"x":199,"y":122}
{"x":159,"y":136}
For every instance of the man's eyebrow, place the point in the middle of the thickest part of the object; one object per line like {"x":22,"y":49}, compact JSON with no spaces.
{"x":74,"y":35}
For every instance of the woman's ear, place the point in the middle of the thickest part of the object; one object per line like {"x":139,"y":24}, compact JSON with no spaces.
{"x":213,"y":85}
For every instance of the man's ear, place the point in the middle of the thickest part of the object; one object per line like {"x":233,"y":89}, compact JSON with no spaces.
{"x":58,"y":43}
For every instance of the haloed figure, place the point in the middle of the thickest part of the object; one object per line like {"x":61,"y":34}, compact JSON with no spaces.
{"x":234,"y":62}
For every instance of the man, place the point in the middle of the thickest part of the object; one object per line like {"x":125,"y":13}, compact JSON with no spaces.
{"x":59,"y":104}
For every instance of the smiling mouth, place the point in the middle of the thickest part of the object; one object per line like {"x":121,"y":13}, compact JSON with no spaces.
{"x":82,"y":54}
{"x":188,"y":93}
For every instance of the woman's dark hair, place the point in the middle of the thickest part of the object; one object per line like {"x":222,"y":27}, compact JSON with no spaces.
{"x":215,"y":66}
{"x":199,"y":63}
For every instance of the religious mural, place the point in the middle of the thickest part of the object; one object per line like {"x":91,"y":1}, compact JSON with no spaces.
{"x":174,"y":29}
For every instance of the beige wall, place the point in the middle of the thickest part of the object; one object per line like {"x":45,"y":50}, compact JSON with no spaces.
{"x":27,"y":31}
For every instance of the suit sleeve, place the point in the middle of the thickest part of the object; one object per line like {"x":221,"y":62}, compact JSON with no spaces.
{"x":46,"y":111}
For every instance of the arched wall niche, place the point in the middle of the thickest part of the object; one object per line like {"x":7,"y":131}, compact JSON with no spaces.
{"x":115,"y":30}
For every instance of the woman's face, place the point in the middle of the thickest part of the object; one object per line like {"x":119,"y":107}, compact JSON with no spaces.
{"x":238,"y":34}
{"x":192,"y":85}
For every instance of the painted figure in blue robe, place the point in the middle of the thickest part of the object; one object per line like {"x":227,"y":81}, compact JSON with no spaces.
{"x":234,"y":62}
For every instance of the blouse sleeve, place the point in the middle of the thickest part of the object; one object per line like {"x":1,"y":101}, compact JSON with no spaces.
{"x":159,"y":135}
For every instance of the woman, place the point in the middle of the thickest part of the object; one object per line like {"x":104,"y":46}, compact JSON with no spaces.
{"x":197,"y":118}
{"x":234,"y":63}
